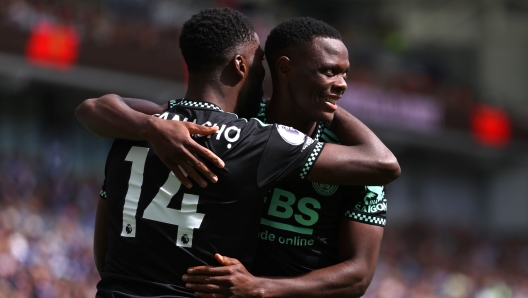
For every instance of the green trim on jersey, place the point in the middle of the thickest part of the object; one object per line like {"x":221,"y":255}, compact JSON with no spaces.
{"x":311,"y":160}
{"x":195,"y":104}
{"x":329,"y":137}
{"x":261,"y":122}
{"x":262,"y":112}
{"x":320,"y":130}
{"x":365,"y":218}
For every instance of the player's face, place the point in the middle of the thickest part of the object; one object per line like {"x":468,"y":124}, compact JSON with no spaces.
{"x":252,"y":92}
{"x":318,"y":78}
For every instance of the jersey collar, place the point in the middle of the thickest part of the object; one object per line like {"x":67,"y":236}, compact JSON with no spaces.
{"x":194,"y":104}
{"x":261,"y":115}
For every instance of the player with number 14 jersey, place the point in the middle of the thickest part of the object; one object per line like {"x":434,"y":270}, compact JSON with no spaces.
{"x":173,"y":228}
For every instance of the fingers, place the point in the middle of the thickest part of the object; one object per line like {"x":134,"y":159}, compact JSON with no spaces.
{"x":191,"y":171}
{"x":209,"y":155}
{"x":177,"y":171}
{"x":191,"y":166}
{"x":226,"y":261}
{"x":207,"y":283}
{"x":209,"y":270}
{"x":175,"y":147}
{"x":206,"y":288}
{"x":201,"y":167}
{"x":210,"y":295}
{"x":200,"y":150}
{"x":200,"y":129}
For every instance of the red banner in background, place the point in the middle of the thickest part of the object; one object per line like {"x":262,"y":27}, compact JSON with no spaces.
{"x":491,"y":126}
{"x":53,"y":45}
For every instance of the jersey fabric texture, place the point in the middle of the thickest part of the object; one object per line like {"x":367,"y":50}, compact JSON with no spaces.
{"x":159,"y":229}
{"x":300,"y":219}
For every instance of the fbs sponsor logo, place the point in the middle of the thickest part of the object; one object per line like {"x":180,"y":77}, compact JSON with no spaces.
{"x":287,"y":213}
{"x":291,"y":135}
{"x":324,"y":189}
{"x":294,"y":241}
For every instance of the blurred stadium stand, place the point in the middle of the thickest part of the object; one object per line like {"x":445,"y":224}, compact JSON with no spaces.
{"x":443,"y":83}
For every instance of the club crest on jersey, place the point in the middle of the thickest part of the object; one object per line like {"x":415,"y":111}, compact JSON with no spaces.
{"x":291,"y":135}
{"x":324,"y":189}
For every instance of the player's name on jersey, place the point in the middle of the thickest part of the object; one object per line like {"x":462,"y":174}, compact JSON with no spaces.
{"x":231,"y":133}
{"x":294,"y":240}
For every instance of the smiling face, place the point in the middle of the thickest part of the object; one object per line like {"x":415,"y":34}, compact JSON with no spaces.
{"x":317,"y":78}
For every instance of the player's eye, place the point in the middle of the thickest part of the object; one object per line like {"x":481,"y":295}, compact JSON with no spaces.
{"x":329,"y":73}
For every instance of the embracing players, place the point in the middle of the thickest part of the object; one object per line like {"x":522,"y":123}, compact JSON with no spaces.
{"x":325,"y":237}
{"x":145,"y":201}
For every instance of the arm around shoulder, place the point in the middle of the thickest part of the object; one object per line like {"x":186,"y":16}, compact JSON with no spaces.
{"x":363,"y":159}
{"x":111,"y":116}
{"x":359,"y":246}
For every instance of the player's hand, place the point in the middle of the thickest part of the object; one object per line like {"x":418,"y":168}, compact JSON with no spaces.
{"x":230,"y":280}
{"x":172,"y":142}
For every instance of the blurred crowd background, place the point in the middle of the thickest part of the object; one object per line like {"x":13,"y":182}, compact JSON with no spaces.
{"x":443,"y":83}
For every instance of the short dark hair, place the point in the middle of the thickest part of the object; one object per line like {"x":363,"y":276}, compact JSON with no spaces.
{"x":209,"y":36}
{"x":295,"y":32}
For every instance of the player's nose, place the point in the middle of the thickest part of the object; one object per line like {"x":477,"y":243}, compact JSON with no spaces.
{"x":340,"y":85}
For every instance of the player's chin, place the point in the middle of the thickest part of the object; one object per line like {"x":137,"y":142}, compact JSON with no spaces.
{"x":327,"y":117}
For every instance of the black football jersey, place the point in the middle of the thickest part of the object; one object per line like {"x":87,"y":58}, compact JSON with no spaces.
{"x":158,"y":229}
{"x":300,"y":219}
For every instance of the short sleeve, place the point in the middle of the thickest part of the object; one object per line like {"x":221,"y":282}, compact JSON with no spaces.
{"x":288,"y":155}
{"x":367,"y":204}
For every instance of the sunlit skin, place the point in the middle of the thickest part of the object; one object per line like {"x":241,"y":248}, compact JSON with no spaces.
{"x":235,"y":86}
{"x":309,"y":82}
{"x":252,"y":90}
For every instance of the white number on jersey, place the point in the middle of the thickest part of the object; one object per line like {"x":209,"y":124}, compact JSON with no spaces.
{"x":186,"y":218}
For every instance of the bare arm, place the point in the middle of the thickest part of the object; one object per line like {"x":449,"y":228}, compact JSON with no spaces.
{"x":364,"y":161}
{"x":359,"y":246}
{"x":112,"y":116}
{"x":100,"y":234}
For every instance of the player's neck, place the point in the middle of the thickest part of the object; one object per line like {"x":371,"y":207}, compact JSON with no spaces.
{"x":206,"y":89}
{"x":280,"y":111}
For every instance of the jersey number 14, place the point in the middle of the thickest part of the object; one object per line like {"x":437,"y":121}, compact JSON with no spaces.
{"x":187,"y":219}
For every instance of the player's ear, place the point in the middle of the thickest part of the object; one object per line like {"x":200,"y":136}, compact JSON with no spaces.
{"x":241,"y":65}
{"x":283,"y":66}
